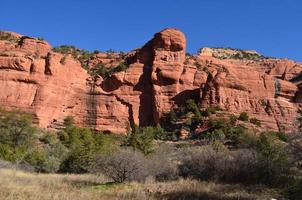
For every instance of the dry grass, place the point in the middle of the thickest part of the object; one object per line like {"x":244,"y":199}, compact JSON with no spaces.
{"x":18,"y":185}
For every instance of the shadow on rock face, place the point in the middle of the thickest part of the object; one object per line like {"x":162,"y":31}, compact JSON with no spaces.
{"x":146,"y":97}
{"x":111,"y":84}
{"x":183,"y":96}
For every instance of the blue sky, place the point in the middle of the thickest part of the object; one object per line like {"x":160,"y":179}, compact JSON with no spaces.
{"x":272,"y":27}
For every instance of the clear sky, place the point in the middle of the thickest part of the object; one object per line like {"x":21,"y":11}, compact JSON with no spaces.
{"x":272,"y":27}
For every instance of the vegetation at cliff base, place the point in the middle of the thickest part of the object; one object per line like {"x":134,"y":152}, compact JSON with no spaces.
{"x":226,"y":153}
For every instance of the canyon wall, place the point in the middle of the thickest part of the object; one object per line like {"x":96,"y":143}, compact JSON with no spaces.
{"x":159,"y":77}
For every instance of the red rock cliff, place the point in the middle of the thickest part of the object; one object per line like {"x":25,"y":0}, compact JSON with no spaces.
{"x":160,"y":76}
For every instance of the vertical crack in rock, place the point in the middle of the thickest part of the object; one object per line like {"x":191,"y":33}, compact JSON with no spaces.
{"x":155,"y":114}
{"x":32,"y":68}
{"x":269,"y":110}
{"x":147,"y":99}
{"x":91,"y":102}
{"x":264,"y":81}
{"x":277,"y":87}
{"x":194,"y":78}
{"x":283,"y":76}
{"x":35,"y":98}
{"x":147,"y":108}
{"x":130,"y":110}
{"x":280,"y":107}
{"x":47,"y":69}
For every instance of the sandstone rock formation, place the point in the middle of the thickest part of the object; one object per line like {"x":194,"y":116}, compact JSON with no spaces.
{"x":224,"y":53}
{"x":159,"y":77}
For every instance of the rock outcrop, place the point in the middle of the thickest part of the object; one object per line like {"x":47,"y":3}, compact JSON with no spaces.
{"x":158,"y":78}
{"x":224,"y":53}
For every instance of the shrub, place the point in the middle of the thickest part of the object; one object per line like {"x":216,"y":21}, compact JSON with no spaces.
{"x":219,"y":146}
{"x":110,"y":51}
{"x":159,"y":133}
{"x":239,"y":166}
{"x":21,"y":143}
{"x":294,"y":141}
{"x":5,"y":164}
{"x":190,"y":116}
{"x":56,"y":155}
{"x":213,"y":109}
{"x":233,"y":119}
{"x":192,"y":123}
{"x":255,"y":121}
{"x":69,"y":150}
{"x":17,"y":135}
{"x":294,"y":192}
{"x":163,"y":163}
{"x":36,"y":157}
{"x":282,"y":136}
{"x":68,"y":121}
{"x":205,"y":113}
{"x":198,"y":65}
{"x":121,"y":166}
{"x":242,"y":167}
{"x":217,"y":131}
{"x":141,"y":139}
{"x":106,"y":73}
{"x":8,"y":36}
{"x":243,"y":116}
{"x":65,"y":49}
{"x":236,"y":134}
{"x":242,"y":54}
{"x":107,"y":143}
{"x":200,"y":163}
{"x":101,"y":70}
{"x":170,"y":119}
{"x":63,"y":60}
{"x":81,"y":145}
{"x":216,"y":134}
{"x":209,"y":111}
{"x":82,"y":55}
{"x":275,"y":165}
{"x":226,"y":131}
{"x":191,"y":106}
{"x":55,"y":151}
{"x":121,"y":67}
{"x":220,"y":123}
{"x":186,"y":62}
{"x":21,"y":166}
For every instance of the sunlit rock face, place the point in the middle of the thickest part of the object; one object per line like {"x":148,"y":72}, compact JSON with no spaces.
{"x":158,"y":78}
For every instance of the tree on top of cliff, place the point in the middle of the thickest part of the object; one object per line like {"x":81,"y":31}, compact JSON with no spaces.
{"x":82,"y":55}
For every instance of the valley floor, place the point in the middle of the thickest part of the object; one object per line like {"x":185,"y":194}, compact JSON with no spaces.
{"x":19,"y":185}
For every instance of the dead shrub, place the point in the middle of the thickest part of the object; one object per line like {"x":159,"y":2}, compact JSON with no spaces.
{"x":121,"y":166}
{"x":163,"y":163}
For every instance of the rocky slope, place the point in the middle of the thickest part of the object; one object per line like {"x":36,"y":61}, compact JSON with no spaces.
{"x":157,"y":77}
